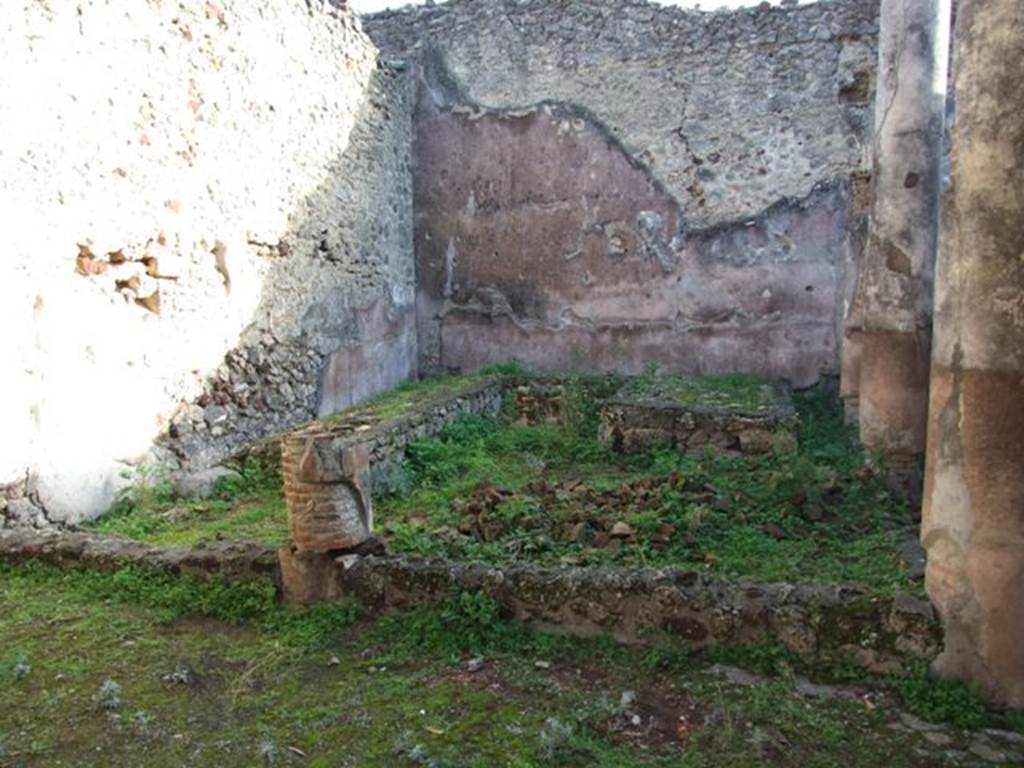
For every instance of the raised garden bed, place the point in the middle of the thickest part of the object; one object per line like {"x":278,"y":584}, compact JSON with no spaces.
{"x":738,"y":413}
{"x":508,"y":472}
{"x":501,"y":488}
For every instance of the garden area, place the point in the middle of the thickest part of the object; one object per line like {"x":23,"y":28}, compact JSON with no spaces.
{"x":498,"y":490}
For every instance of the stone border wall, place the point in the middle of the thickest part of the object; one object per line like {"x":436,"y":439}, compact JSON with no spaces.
{"x":818,"y":623}
{"x":326,"y":466}
{"x":232,"y":561}
{"x":633,"y":424}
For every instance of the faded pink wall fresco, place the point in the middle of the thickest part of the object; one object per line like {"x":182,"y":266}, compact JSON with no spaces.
{"x":539,"y":239}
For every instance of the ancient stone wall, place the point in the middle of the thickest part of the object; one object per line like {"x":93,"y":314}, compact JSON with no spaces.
{"x":208,"y":216}
{"x":329,"y":467}
{"x":828,"y":624}
{"x":609,"y":183}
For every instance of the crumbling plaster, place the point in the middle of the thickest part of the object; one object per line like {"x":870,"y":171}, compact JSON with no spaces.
{"x":730,"y":111}
{"x":259,"y":152}
{"x":613,"y":184}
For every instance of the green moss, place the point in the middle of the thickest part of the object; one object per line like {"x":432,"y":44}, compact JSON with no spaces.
{"x":941,"y":701}
{"x":250,"y":508}
{"x":744,"y":392}
{"x":407,"y":396}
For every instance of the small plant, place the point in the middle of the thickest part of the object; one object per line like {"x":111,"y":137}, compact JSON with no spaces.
{"x":674,"y":657}
{"x":109,"y":695}
{"x":646,"y":382}
{"x":769,"y":657}
{"x":941,"y":701}
{"x":15,"y":667}
{"x":510,"y":368}
{"x":695,"y":517}
{"x":149,"y":488}
{"x":268,"y":752}
{"x":390,"y":480}
{"x":556,"y":739}
{"x":256,"y":476}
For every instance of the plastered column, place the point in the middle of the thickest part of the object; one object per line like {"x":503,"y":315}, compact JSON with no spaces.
{"x":896,"y":278}
{"x":973,"y":525}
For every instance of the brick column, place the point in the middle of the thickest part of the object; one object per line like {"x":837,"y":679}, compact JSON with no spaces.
{"x":973,"y":524}
{"x":326,"y":487}
{"x":896,"y":276}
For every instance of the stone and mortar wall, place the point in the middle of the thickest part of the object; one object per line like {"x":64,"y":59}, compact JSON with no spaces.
{"x":636,"y":606}
{"x":233,"y":562}
{"x":634,"y":426}
{"x":328,"y":468}
{"x":209,"y":233}
{"x":610,"y":183}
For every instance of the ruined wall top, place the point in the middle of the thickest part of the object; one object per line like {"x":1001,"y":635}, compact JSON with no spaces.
{"x":730,"y":111}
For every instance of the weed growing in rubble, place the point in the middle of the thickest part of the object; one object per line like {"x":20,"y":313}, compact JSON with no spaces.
{"x":498,"y":491}
{"x":940,"y":701}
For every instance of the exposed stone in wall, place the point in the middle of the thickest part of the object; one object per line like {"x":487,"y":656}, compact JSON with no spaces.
{"x":19,"y":510}
{"x":637,"y":606}
{"x":610,"y":184}
{"x":729,"y":111}
{"x":328,"y":466}
{"x":209,"y":232}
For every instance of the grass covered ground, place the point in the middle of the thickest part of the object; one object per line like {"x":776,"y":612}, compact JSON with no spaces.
{"x":744,"y":392}
{"x":402,"y":398}
{"x":497,"y":491}
{"x":133,"y":670}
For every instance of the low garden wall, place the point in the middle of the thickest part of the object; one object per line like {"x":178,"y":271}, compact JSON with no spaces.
{"x":333,"y":554}
{"x":231,"y":561}
{"x":663,"y":412}
{"x":818,"y":623}
{"x":327,"y":465}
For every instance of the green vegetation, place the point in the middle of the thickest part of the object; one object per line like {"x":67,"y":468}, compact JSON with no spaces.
{"x":770,"y":657}
{"x":174,"y":597}
{"x":745,"y":392}
{"x":402,"y":398}
{"x":138,"y":668}
{"x":130,"y":669}
{"x":497,"y":491}
{"x":941,"y":701}
{"x":247,"y":509}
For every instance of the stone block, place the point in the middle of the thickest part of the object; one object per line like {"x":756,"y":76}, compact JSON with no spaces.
{"x":327,"y":482}
{"x":691,"y":414}
{"x":200,"y":485}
